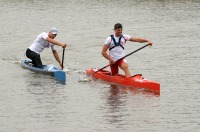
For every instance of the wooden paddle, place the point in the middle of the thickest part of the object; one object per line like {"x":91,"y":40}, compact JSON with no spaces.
{"x":120,"y":59}
{"x":63,"y":57}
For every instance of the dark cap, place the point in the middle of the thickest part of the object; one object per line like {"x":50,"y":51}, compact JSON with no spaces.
{"x":117,"y":26}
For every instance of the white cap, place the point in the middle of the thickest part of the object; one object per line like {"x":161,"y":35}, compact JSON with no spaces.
{"x":53,"y":31}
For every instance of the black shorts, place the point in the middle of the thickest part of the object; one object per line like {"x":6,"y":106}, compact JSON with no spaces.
{"x":34,"y":57}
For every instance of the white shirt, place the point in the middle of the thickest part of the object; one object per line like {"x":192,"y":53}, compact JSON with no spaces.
{"x":117,"y":52}
{"x":40,"y":43}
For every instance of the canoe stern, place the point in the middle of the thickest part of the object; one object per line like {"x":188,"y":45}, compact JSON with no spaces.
{"x":60,"y":75}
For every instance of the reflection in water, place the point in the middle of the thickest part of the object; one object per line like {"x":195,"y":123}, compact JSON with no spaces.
{"x":46,"y":96}
{"x":114,"y":105}
{"x":117,"y":101}
{"x":42,"y":84}
{"x":36,"y":87}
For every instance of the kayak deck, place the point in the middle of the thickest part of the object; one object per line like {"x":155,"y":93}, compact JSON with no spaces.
{"x":136,"y":81}
{"x":46,"y":69}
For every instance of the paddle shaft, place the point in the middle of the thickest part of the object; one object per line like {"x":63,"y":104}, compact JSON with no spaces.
{"x":63,"y":57}
{"x":120,"y":59}
{"x":132,"y":52}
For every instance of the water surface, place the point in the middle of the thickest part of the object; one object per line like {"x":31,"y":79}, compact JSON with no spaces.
{"x":35,"y":102}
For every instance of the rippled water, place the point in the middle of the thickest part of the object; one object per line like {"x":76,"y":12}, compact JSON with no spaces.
{"x":35,"y":102}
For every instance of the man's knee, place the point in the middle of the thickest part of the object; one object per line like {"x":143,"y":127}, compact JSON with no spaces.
{"x":124,"y":66}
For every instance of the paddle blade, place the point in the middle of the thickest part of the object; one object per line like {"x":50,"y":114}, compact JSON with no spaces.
{"x":60,"y":75}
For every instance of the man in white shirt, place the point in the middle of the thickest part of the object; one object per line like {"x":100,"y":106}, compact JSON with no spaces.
{"x":44,"y":40}
{"x":115,"y":43}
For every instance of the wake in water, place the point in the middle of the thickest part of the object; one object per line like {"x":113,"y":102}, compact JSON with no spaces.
{"x":84,"y":79}
{"x":81,"y":78}
{"x":67,"y":70}
{"x":13,"y":61}
{"x":74,"y":70}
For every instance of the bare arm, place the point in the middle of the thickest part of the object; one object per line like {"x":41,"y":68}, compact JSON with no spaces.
{"x":56,"y":42}
{"x":104,"y":53}
{"x":141,"y":40}
{"x":57,"y":57}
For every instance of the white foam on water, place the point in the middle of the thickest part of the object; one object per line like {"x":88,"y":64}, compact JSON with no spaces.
{"x":80,"y":71}
{"x":14,"y":62}
{"x":84,"y":79}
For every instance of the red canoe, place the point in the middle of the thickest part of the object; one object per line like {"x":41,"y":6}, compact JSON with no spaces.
{"x":136,"y":81}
